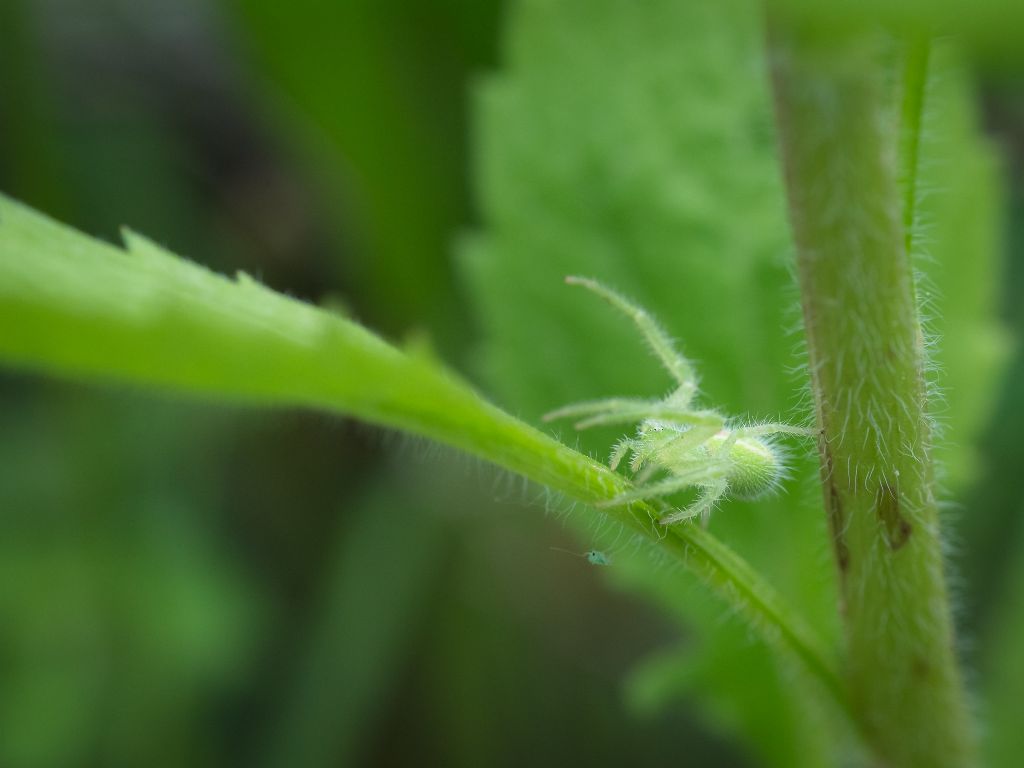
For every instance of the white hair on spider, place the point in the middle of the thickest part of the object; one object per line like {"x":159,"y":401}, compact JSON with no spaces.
{"x":686,"y":446}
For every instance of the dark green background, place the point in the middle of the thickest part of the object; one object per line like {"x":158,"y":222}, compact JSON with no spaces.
{"x":187,"y":584}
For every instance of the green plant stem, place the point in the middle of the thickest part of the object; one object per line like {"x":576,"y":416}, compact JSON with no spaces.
{"x":839,"y":139}
{"x":915,"y":78}
{"x":73,"y":306}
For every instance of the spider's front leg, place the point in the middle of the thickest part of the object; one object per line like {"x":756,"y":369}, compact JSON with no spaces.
{"x":628,"y":411}
{"x":598,"y":408}
{"x":673,"y":361}
{"x":624,"y":446}
{"x":772,"y":428}
{"x":757,"y":431}
{"x":708,"y":474}
{"x":702,"y":507}
{"x":669,"y":448}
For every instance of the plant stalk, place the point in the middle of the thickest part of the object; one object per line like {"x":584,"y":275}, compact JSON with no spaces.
{"x":839,"y":134}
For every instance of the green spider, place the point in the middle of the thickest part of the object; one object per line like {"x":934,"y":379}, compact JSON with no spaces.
{"x":689,"y":447}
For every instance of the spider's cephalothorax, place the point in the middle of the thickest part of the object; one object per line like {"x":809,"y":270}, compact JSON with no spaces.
{"x":687,"y":446}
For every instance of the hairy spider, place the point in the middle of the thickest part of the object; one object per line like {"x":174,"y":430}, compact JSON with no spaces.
{"x":689,"y":447}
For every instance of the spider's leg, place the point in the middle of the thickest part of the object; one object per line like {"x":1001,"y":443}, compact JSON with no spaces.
{"x":709,"y":498}
{"x":674,"y":446}
{"x":702,"y":507}
{"x":678,"y":482}
{"x":648,"y":444}
{"x":761,"y":430}
{"x":729,"y":442}
{"x":622,"y":447}
{"x":627,"y":411}
{"x":712,"y":497}
{"x":643,"y":474}
{"x":590,"y":407}
{"x":771,"y":428}
{"x":677,"y":365}
{"x":659,"y":411}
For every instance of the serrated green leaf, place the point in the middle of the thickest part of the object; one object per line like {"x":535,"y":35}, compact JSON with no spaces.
{"x":75,"y":306}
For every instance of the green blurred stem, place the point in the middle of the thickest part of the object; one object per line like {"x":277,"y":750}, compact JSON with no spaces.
{"x":915,"y":77}
{"x":73,"y":306}
{"x":839,"y":138}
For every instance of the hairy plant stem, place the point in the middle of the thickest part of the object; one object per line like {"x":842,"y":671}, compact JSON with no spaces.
{"x":839,"y":134}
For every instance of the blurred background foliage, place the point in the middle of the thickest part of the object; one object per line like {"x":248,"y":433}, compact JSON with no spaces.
{"x":187,"y":584}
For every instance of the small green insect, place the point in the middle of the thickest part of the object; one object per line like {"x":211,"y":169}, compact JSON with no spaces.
{"x":594,"y":556}
{"x":687,"y":447}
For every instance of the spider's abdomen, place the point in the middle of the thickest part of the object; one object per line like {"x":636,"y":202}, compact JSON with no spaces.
{"x":755,"y":466}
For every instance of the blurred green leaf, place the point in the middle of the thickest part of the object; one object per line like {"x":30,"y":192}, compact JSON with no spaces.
{"x":373,"y":91}
{"x":713,"y":679}
{"x":990,"y":29}
{"x":120,"y":624}
{"x":29,"y":156}
{"x":374,"y":600}
{"x":1002,"y":674}
{"x":959,"y":251}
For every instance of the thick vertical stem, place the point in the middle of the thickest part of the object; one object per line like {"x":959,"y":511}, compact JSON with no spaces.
{"x":839,"y":132}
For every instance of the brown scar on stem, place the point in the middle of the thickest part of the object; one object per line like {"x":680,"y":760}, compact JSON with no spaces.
{"x":887,"y":506}
{"x":834,"y":508}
